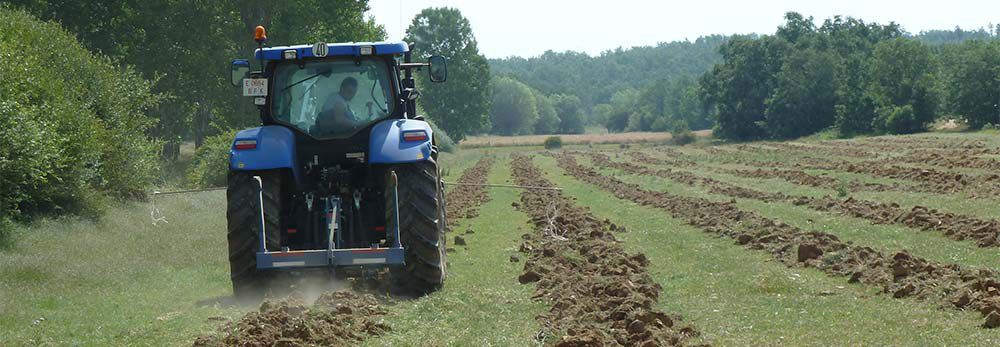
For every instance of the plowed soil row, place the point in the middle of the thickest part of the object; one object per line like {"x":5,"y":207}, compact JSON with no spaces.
{"x":806,"y":179}
{"x":598,"y":294}
{"x":963,"y":154}
{"x":913,"y":142}
{"x":932,"y":180}
{"x":985,"y":233}
{"x":673,"y":159}
{"x":948,"y":160}
{"x":337,"y":318}
{"x":463,"y":199}
{"x":935,"y":181}
{"x":850,"y":152}
{"x":898,"y":274}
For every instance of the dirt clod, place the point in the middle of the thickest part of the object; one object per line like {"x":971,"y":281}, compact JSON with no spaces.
{"x":992,"y":320}
{"x":529,"y":277}
{"x":808,"y":252}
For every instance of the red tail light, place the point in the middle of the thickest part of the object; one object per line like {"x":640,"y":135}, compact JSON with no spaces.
{"x":414,"y":135}
{"x":245,"y":144}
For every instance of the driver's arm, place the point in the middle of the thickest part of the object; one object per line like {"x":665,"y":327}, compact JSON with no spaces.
{"x":328,"y":120}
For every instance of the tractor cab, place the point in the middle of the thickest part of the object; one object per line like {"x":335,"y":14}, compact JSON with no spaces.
{"x":341,"y":173}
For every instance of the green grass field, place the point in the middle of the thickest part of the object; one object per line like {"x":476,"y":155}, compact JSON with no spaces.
{"x":124,"y":281}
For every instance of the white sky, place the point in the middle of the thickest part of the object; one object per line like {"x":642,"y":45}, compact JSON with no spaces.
{"x":530,"y":27}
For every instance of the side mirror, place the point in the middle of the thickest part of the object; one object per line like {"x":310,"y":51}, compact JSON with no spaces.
{"x":438,"y":69}
{"x":239,"y":68}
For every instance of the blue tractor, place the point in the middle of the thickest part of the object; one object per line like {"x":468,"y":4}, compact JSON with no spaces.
{"x":342,"y":173}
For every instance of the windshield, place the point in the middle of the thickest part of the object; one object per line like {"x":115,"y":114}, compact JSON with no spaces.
{"x":331,"y":98}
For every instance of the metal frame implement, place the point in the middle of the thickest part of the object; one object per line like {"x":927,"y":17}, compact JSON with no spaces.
{"x":331,"y":256}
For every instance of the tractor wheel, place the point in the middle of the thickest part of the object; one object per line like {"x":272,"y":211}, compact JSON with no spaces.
{"x":421,"y":228}
{"x":243,"y":218}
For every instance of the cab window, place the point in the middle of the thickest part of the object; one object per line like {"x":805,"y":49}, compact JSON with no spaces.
{"x":331,"y":98}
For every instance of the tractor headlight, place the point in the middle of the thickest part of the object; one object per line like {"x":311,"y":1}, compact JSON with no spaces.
{"x":367,"y":50}
{"x":288,"y":54}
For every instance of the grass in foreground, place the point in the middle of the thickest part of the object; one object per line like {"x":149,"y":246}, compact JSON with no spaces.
{"x":120,"y":281}
{"x":740,"y":297}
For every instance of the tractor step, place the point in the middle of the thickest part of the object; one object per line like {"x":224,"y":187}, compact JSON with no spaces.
{"x":330,"y":257}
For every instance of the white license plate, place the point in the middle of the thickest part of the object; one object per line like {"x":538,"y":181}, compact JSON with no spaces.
{"x":254,"y":87}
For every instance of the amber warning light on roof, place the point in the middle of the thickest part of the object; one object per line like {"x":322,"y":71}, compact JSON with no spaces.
{"x":259,"y":34}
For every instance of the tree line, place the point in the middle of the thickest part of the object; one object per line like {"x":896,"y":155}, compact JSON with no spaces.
{"x":852,"y":78}
{"x":635,"y":89}
{"x":184,"y":48}
{"x":846,"y":76}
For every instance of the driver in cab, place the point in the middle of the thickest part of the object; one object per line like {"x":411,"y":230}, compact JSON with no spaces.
{"x":336,"y":115}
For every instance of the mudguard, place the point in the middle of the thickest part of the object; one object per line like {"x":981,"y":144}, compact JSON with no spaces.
{"x":386,"y":144}
{"x":275,"y":149}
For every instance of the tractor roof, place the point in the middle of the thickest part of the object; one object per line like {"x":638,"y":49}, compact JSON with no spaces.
{"x":335,"y":49}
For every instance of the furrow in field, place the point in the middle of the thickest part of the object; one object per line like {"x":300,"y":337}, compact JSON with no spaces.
{"x":337,"y":318}
{"x":962,"y":159}
{"x":926,"y":180}
{"x":986,"y":233}
{"x":803,"y":178}
{"x":933,"y":181}
{"x":791,"y":175}
{"x":463,"y":199}
{"x":961,"y":154}
{"x":910,"y":142}
{"x":898,"y":274}
{"x":597,"y":293}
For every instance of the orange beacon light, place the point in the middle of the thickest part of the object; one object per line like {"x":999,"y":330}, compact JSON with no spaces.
{"x":259,"y":34}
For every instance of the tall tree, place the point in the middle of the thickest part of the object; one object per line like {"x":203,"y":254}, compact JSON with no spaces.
{"x":902,"y":77}
{"x":975,"y":85}
{"x":461,"y":105}
{"x":804,"y":98}
{"x":739,"y":87}
{"x":617,"y":113}
{"x":569,"y":110}
{"x":548,"y":121}
{"x":513,"y":110}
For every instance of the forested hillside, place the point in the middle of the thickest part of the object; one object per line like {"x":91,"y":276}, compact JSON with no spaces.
{"x":623,"y":89}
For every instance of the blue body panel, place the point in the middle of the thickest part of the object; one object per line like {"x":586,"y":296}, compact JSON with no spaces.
{"x":275,"y":150}
{"x":386,"y":145}
{"x":335,"y":49}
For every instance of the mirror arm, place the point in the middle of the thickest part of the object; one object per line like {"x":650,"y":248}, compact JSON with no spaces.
{"x":413,"y":65}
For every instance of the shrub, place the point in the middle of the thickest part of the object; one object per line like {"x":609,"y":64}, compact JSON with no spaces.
{"x":441,"y":139}
{"x":5,"y":229}
{"x":683,"y":137}
{"x":210,"y":164}
{"x":553,"y":142}
{"x":843,"y":189}
{"x":73,"y":125}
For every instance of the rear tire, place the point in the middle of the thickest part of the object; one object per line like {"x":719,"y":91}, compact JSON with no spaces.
{"x":422,"y":228}
{"x":243,"y":222}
